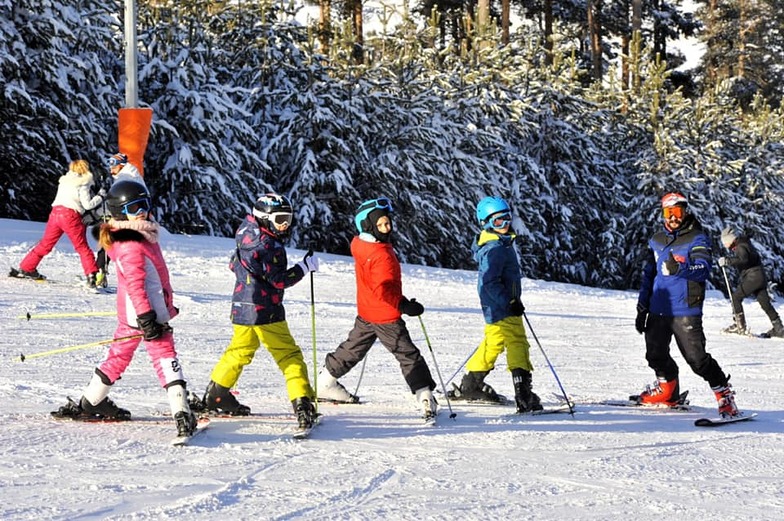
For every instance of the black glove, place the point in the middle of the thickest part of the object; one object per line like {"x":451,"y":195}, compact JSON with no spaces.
{"x":149,"y":326}
{"x":671,"y":266}
{"x":410,"y":307}
{"x":516,"y":307}
{"x":641,"y":322}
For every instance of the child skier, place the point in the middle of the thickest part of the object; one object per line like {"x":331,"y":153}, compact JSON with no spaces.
{"x":499,"y":295}
{"x":260,"y":267}
{"x":144,"y":307}
{"x":380,"y":302}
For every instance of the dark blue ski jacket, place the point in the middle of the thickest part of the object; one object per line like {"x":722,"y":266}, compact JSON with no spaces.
{"x":499,"y":274}
{"x":682,"y":293}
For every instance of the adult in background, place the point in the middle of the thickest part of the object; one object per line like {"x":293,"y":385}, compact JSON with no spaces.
{"x":72,"y":200}
{"x":121,"y":170}
{"x":752,"y":283}
{"x":670,"y":303}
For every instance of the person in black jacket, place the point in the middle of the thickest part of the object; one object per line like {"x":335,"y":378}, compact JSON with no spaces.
{"x":752,"y":282}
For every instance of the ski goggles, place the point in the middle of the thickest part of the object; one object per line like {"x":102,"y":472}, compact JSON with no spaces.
{"x":501,"y":220}
{"x":117,"y":160}
{"x":281,"y":218}
{"x":137,"y":207}
{"x":673,"y":211}
{"x":382,"y":203}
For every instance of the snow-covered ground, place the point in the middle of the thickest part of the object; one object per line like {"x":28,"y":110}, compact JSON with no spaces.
{"x":377,"y":460}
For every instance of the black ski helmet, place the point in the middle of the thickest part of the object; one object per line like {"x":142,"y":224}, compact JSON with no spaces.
{"x":127,"y":197}
{"x":274,"y":208}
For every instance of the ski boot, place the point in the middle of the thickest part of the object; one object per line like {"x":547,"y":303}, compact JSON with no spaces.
{"x":331,"y":390}
{"x":738,"y":327}
{"x":186,"y":423}
{"x":305,"y":411}
{"x":22,"y":274}
{"x":101,"y":279}
{"x":219,"y":399}
{"x":725,"y":397}
{"x":662,"y":392}
{"x":776,"y":332}
{"x":473,"y":389}
{"x":106,"y":409}
{"x":90,"y":281}
{"x":424,"y":396}
{"x":525,"y":399}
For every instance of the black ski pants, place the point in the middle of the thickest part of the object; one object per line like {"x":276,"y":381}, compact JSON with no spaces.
{"x":690,"y":338}
{"x":753,"y":283}
{"x":394,"y":336}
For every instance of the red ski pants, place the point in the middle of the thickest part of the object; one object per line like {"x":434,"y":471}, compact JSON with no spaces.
{"x":61,"y":221}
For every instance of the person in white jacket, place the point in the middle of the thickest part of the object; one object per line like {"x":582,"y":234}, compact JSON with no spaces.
{"x":121,"y":170}
{"x":72,"y":200}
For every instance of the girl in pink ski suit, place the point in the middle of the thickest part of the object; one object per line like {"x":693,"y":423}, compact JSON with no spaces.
{"x":144,"y":308}
{"x":72,"y":200}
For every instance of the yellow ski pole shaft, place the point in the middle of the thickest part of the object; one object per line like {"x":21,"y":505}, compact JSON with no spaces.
{"x":28,"y":316}
{"x":23,"y":357}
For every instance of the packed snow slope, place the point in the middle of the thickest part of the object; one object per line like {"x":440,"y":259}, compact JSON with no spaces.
{"x":376,"y":460}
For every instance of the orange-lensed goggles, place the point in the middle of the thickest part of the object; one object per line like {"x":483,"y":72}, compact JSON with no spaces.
{"x":674,"y":211}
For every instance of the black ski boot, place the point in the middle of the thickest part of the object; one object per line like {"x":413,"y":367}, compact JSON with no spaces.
{"x":473,"y":388}
{"x":71,"y":410}
{"x":105,"y":410}
{"x":525,"y":399}
{"x":22,"y":274}
{"x":219,"y":399}
{"x":305,"y":411}
{"x":777,"y":331}
{"x":186,"y":423}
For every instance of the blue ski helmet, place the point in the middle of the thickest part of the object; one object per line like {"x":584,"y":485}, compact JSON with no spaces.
{"x":369,"y":212}
{"x":488,"y":207}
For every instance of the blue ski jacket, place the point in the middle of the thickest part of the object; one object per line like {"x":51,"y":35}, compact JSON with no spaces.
{"x":681,"y":293}
{"x":499,"y":274}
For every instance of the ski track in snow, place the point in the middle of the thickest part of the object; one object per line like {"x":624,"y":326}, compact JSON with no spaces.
{"x":377,"y":460}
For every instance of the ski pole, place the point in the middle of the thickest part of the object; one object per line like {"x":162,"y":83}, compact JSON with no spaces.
{"x":552,"y":369}
{"x":729,"y":289}
{"x":462,"y":365}
{"x":361,"y":373}
{"x":313,"y":332}
{"x":452,"y":415}
{"x":30,"y":316}
{"x":23,"y":357}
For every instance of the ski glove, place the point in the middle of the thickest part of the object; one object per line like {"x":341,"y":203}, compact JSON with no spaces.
{"x":641,"y":322}
{"x":102,"y":192}
{"x":149,"y":326}
{"x":722,"y":261}
{"x":410,"y":307}
{"x":516,"y":307}
{"x":671,"y":266}
{"x":308,"y":264}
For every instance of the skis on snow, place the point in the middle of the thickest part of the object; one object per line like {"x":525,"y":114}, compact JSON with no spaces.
{"x":718,"y":421}
{"x":681,"y":404}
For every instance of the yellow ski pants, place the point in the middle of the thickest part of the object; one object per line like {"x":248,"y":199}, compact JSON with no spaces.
{"x":509,"y":334}
{"x":277,"y":339}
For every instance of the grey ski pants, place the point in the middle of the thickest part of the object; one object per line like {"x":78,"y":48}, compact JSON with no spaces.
{"x":394,"y":336}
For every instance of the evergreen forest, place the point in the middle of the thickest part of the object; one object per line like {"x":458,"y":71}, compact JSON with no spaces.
{"x":578,"y":112}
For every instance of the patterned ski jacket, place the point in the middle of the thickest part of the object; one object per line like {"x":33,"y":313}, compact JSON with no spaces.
{"x":142,"y":276}
{"x":499,"y":274}
{"x":683,"y":293}
{"x":260,"y":267}
{"x":379,"y":284}
{"x":73,"y":191}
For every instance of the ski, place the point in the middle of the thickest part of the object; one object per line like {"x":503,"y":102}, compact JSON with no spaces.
{"x":201,"y":426}
{"x":455,"y":396}
{"x":682,"y":404}
{"x":718,"y":421}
